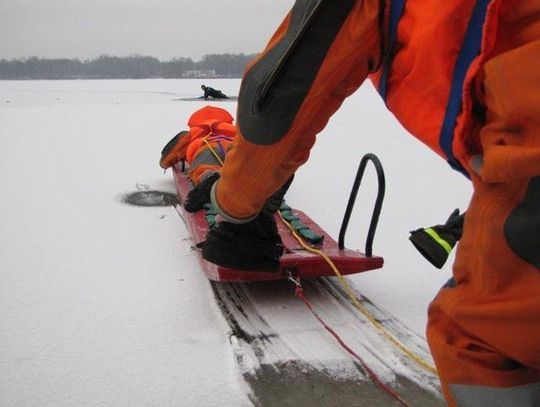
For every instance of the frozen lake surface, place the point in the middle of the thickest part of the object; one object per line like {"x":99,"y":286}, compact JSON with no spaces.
{"x":103,"y":304}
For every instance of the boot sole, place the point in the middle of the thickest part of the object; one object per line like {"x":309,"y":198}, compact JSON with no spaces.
{"x":226,"y":257}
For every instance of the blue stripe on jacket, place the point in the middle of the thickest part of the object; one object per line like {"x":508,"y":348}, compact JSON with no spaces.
{"x":470,"y":49}
{"x":396,"y":11}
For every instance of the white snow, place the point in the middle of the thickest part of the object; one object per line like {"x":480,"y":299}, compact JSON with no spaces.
{"x":102,"y":304}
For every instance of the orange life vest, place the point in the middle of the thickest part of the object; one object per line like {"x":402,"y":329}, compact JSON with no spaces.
{"x":209,"y":126}
{"x":213,"y":132}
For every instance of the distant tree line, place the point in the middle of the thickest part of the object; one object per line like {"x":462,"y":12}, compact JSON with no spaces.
{"x":130,"y":67}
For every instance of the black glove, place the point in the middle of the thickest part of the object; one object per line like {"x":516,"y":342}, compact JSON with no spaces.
{"x":200,"y":194}
{"x":436,"y":243}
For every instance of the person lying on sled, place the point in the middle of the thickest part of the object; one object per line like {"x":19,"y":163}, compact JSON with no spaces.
{"x":213,"y":93}
{"x":203,"y":147}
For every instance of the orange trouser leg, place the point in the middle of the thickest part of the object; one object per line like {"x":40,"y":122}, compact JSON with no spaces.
{"x":277,"y":131}
{"x":486,"y":329}
{"x":484,"y":333}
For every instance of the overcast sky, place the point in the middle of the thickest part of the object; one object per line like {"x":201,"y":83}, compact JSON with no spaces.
{"x":160,"y":28}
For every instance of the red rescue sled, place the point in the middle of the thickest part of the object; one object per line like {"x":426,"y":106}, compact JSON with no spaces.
{"x":296,"y":260}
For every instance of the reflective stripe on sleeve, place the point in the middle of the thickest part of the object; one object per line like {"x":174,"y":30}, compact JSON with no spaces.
{"x":439,"y":239}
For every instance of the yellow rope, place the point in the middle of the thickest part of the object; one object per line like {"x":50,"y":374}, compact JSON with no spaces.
{"x":212,"y":150}
{"x":396,"y":342}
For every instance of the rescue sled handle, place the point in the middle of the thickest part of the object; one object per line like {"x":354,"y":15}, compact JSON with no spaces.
{"x":352,"y":199}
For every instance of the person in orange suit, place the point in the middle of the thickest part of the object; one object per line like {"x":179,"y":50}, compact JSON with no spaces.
{"x":464,"y":78}
{"x":203,"y":148}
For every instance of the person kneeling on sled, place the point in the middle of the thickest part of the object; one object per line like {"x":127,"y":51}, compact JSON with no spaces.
{"x":213,"y":93}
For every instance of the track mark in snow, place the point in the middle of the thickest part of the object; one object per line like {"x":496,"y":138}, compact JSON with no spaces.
{"x":240,"y":321}
{"x":287,"y":358}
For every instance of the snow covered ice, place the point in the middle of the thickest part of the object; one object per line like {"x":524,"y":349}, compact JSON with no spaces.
{"x":103,"y":304}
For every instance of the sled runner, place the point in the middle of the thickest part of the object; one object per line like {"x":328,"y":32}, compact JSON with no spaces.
{"x":296,"y":260}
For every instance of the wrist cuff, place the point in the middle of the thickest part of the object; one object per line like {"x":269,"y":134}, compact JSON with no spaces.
{"x":224,"y":215}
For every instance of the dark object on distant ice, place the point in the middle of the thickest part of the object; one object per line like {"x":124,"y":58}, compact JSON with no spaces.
{"x":213,"y":93}
{"x":201,"y":99}
{"x":150,"y":198}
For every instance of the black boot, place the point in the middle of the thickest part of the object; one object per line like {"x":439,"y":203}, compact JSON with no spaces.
{"x":169,"y":156}
{"x":251,"y":246}
{"x":200,"y":195}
